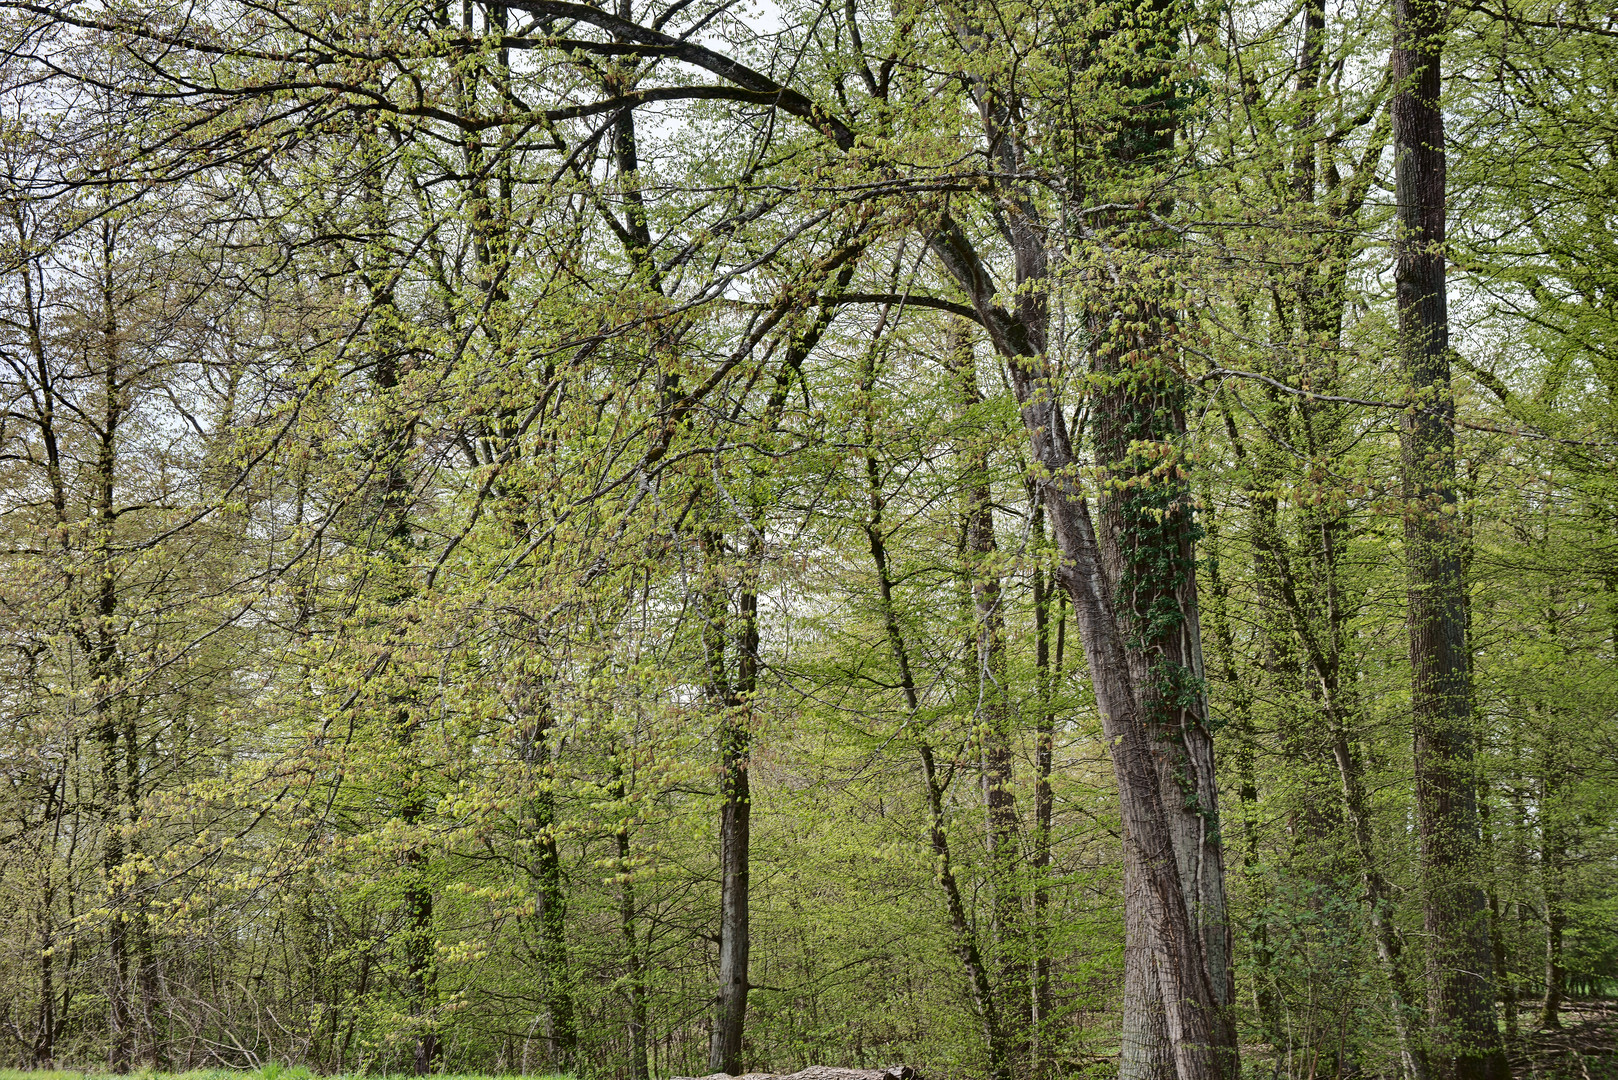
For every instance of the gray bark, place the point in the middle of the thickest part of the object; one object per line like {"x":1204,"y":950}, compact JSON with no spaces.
{"x":1465,"y":1036}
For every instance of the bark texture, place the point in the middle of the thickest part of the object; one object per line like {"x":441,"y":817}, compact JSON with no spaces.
{"x":735,"y":814}
{"x":1463,"y":1033}
{"x":1134,"y":603}
{"x":1200,"y":1035}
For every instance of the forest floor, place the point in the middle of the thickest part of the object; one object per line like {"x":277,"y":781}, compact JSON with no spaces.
{"x":1585,"y":1048}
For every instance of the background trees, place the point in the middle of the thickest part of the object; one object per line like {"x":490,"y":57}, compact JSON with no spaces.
{"x":555,"y":537}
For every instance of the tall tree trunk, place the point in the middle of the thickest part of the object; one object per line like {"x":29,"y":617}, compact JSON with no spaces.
{"x":735,"y":807}
{"x":1145,"y":544}
{"x":638,"y":1066}
{"x":1200,"y":1032}
{"x":1466,"y":1039}
{"x":121,"y":1022}
{"x":965,"y":939}
{"x":1130,"y":581}
{"x":153,"y":1019}
{"x":1187,"y":940}
{"x":1048,"y":658}
{"x":112,"y":724}
{"x":725,"y":1051}
{"x":735,"y":700}
{"x":389,"y":550}
{"x":1552,"y":859}
{"x":550,"y":894}
{"x":963,"y":934}
{"x":992,"y":711}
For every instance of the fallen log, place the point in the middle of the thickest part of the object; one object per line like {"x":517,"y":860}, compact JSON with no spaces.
{"x":820,"y":1072}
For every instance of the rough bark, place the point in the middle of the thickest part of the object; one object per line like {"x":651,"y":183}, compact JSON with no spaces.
{"x":638,"y":1067}
{"x":1552,"y":858}
{"x":735,"y":809}
{"x":724,"y":1054}
{"x":1048,"y":658}
{"x":1144,"y":1032}
{"x":1201,"y":1036}
{"x":550,"y":892}
{"x":1465,"y":1037}
{"x":1200,"y":1031}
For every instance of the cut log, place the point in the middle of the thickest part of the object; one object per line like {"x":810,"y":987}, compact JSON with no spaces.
{"x":820,"y":1072}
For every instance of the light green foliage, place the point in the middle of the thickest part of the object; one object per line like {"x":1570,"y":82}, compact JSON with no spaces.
{"x":393,"y":475}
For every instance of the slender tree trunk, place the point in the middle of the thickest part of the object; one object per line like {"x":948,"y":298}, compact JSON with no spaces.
{"x":992,"y":711}
{"x":1552,"y":857}
{"x":1550,"y":1013}
{"x":106,"y":670}
{"x":1322,"y":645}
{"x":1497,"y":936}
{"x":964,"y":935}
{"x":45,"y":1041}
{"x":638,"y":1068}
{"x":121,"y":1023}
{"x":1466,"y":1039}
{"x":735,"y":810}
{"x":965,"y":939}
{"x":736,"y":701}
{"x":1240,"y":694}
{"x":1049,"y":674}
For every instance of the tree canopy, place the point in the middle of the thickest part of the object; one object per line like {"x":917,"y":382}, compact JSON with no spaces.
{"x":1028,"y":538}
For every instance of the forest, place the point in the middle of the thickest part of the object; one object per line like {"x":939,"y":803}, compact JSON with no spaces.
{"x":1026,"y":539}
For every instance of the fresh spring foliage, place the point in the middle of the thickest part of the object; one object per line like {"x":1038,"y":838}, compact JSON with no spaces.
{"x":548,"y":537}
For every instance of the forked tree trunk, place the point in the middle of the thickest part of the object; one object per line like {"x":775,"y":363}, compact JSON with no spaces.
{"x":1200,"y":1035}
{"x":1465,"y":1037}
{"x":1180,"y":885}
{"x":1134,"y":600}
